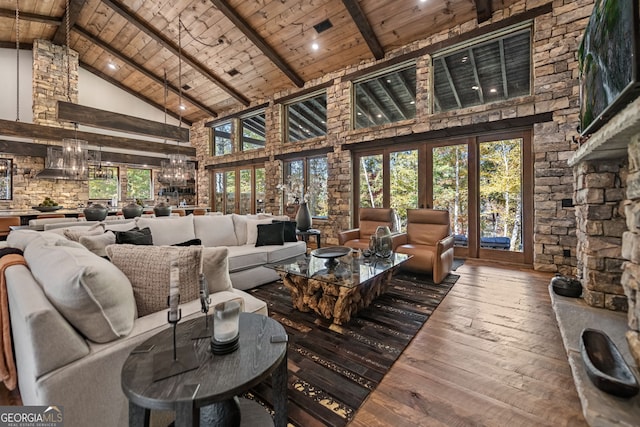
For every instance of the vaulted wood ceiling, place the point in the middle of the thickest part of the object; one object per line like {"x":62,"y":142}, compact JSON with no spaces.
{"x":233,"y":51}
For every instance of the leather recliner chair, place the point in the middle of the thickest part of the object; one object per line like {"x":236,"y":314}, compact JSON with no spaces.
{"x":429,"y":240}
{"x":370,"y":220}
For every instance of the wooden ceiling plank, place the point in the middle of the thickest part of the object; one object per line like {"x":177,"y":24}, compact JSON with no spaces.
{"x":360,"y":19}
{"x":30,"y":130}
{"x":103,"y":119}
{"x":169,"y":45}
{"x":252,"y":35}
{"x":75,"y":7}
{"x":138,"y":95}
{"x":141,"y":70}
{"x":32,"y":17}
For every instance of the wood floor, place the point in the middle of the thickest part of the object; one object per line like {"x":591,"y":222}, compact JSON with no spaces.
{"x":490,"y":355}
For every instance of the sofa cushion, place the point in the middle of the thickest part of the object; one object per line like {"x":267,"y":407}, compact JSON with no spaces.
{"x":288,"y":250}
{"x":215,"y":230}
{"x":74,"y":233}
{"x":97,"y":244}
{"x":122,"y":225}
{"x":149,"y":268}
{"x":252,"y":229}
{"x":22,"y":238}
{"x":246,"y":256}
{"x":240,"y":227}
{"x":215,"y":267}
{"x":134,"y":237}
{"x":90,"y":292}
{"x":289,"y":230}
{"x":270,"y":234}
{"x":169,"y":230}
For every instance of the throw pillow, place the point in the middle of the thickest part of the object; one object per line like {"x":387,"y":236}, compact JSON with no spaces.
{"x":240,"y":227}
{"x":148,"y":269}
{"x":192,"y":242}
{"x":169,"y":230}
{"x":90,"y":292}
{"x":97,"y":244}
{"x":215,"y":230}
{"x":74,"y":234}
{"x":134,"y":237}
{"x":252,"y":229}
{"x":215,"y":267}
{"x":123,"y":225}
{"x":289,"y":230}
{"x":270,"y":234}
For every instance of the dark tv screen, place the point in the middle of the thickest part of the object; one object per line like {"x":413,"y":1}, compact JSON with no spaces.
{"x":608,"y":60}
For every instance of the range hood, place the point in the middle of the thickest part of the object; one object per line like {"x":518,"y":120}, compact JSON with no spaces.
{"x":53,"y":165}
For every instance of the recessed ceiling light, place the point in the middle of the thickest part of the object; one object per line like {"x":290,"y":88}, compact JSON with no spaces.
{"x":412,"y":102}
{"x":359,"y":113}
{"x":182,"y":107}
{"x":315,"y":46}
{"x":112,"y":66}
{"x":379,"y":116}
{"x":475,"y":87}
{"x":464,"y":59}
{"x":493,"y":90}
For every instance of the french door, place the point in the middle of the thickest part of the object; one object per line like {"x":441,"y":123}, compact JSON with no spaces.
{"x":240,"y":190}
{"x":485,"y":182}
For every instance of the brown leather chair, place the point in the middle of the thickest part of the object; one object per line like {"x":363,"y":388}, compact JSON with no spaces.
{"x":370,"y":219}
{"x":5,"y":224}
{"x":199,"y":211}
{"x":429,"y":240}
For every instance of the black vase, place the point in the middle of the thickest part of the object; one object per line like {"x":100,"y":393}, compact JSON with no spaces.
{"x":95,"y":212}
{"x":132,"y":210}
{"x":303,"y":217}
{"x":162,"y":209}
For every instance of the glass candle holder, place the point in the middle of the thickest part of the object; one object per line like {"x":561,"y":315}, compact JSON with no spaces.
{"x":226,"y":326}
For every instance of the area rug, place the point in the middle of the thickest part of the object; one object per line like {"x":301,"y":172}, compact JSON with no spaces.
{"x":332,"y":369}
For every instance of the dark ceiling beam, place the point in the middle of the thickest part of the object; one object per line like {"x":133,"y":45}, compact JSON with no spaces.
{"x":376,"y":102}
{"x":31,"y":17}
{"x":483,"y":10}
{"x":361,"y":21}
{"x":30,"y":130}
{"x":252,"y":35}
{"x":12,"y":45}
{"x":159,"y":80}
{"x":75,"y":7}
{"x":450,"y":80}
{"x":93,"y":117}
{"x":104,"y":76}
{"x":143,"y":26}
{"x":472,"y":59}
{"x":394,"y":99}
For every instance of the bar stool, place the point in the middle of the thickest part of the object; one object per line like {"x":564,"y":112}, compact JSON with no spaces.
{"x":199,"y":211}
{"x":179,"y":212}
{"x":5,"y":224}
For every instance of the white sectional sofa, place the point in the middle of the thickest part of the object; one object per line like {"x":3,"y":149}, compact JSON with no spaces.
{"x":75,"y":317}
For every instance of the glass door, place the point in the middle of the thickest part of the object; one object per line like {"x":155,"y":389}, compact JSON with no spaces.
{"x":239,"y":190}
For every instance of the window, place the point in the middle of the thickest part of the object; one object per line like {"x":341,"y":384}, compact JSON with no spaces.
{"x":239,"y":190}
{"x":307,"y":118}
{"x":6,"y":179}
{"x":221,"y":139}
{"x":139,"y":184}
{"x":386,"y":98}
{"x":104,"y":189}
{"x":253,"y":131}
{"x":308,"y":178}
{"x":484,"y":72}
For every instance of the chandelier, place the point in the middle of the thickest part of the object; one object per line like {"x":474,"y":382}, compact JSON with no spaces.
{"x":75,"y":158}
{"x":97,"y":171}
{"x":176,"y":170}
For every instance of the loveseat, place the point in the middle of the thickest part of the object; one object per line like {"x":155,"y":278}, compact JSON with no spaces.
{"x":75,"y":317}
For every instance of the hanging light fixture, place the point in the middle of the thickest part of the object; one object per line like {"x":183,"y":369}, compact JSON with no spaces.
{"x":175,"y":169}
{"x":97,"y":171}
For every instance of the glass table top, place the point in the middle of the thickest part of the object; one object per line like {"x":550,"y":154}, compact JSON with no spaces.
{"x":347,"y":270}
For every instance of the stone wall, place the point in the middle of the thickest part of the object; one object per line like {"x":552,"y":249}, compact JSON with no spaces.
{"x":556,"y":38}
{"x":600,"y":194}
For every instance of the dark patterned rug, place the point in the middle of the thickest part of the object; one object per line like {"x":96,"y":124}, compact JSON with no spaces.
{"x":332,"y":369}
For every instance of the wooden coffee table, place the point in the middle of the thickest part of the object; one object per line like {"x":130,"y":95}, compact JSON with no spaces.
{"x":212,"y":387}
{"x":336,"y":292}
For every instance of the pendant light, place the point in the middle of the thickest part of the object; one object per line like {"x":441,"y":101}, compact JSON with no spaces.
{"x":97,"y":171}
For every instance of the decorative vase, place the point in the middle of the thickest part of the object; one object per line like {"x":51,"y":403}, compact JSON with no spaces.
{"x":162,"y":209}
{"x":384,"y":244}
{"x":303,"y":217}
{"x":95,"y":212}
{"x":132,"y":210}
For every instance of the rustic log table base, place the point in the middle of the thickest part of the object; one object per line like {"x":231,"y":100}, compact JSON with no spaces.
{"x":332,"y":301}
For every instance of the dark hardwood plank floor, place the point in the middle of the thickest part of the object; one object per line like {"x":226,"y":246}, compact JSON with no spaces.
{"x":490,"y":355}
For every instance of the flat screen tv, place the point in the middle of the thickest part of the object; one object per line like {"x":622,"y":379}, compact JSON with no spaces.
{"x":609,"y":62}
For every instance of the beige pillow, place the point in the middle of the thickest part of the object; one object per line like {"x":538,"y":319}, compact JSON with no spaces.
{"x":90,"y":292}
{"x":215,"y":230}
{"x":252,"y":229}
{"x":169,"y":230}
{"x":75,"y":233}
{"x":148,"y":269}
{"x":215,"y":267}
{"x":98,"y":243}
